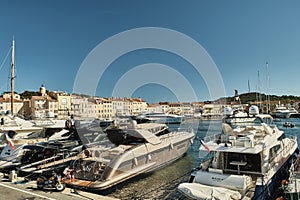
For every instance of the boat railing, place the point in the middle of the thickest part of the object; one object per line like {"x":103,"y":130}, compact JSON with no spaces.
{"x":285,"y":151}
{"x":255,"y":173}
{"x":43,"y":122}
{"x":214,"y":137}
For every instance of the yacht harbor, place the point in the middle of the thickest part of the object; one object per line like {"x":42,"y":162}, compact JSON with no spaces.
{"x":161,"y":183}
{"x":145,"y":112}
{"x":164,"y":151}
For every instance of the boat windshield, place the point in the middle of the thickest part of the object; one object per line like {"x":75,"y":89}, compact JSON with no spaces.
{"x":259,"y":119}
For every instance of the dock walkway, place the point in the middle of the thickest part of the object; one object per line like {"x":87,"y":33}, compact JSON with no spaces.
{"x":28,"y":190}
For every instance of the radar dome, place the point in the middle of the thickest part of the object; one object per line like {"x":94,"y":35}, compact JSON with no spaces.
{"x":228,"y":111}
{"x":133,"y":124}
{"x":253,"y":110}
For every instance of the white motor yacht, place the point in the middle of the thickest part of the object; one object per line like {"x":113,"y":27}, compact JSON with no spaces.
{"x":249,"y":161}
{"x":139,"y":148}
{"x":283,"y":112}
{"x":160,"y":118}
{"x":17,"y":126}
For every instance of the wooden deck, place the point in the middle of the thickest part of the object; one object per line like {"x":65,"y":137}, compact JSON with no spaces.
{"x":78,"y":182}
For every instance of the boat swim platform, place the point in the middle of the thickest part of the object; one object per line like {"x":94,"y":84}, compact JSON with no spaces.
{"x":77,"y":182}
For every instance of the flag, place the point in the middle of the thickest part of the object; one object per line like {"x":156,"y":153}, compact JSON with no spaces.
{"x":205,"y":146}
{"x":10,"y":142}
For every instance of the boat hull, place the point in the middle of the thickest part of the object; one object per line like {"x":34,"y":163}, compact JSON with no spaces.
{"x":270,"y":190}
{"x":140,"y":159}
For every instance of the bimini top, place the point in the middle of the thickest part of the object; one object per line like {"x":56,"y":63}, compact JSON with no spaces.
{"x":146,"y":134}
{"x":136,"y":133}
{"x":147,"y":131}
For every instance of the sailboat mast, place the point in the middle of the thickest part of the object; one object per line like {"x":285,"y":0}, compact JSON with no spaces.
{"x":268,"y":86}
{"x":259,"y":95}
{"x":12,"y":76}
{"x":249,"y":86}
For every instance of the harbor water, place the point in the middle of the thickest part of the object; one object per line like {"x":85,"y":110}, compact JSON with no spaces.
{"x":162,"y":183}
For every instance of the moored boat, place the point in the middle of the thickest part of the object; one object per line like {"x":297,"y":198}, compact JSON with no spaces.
{"x":283,"y":112}
{"x":288,"y":124}
{"x":28,"y":153}
{"x":251,"y":160}
{"x":160,"y":118}
{"x":145,"y":147}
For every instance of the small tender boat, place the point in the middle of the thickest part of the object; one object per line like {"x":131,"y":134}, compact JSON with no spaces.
{"x":140,"y":148}
{"x":288,"y":124}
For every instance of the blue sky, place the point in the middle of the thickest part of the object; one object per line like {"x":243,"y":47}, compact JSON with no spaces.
{"x":54,"y":37}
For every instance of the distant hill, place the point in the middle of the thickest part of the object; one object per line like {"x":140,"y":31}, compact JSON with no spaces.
{"x":253,"y":96}
{"x":28,"y":94}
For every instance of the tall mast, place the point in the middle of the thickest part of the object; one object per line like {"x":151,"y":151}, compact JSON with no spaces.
{"x":12,"y":76}
{"x":268,"y":87}
{"x":248,"y":86}
{"x":259,"y":95}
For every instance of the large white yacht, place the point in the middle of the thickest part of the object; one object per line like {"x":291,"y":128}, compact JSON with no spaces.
{"x":158,"y":117}
{"x":17,"y":126}
{"x":283,"y":112}
{"x":139,"y":148}
{"x":244,"y":163}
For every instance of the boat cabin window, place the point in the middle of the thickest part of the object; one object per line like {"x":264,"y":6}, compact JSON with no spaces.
{"x":273,"y":152}
{"x":249,"y":162}
{"x":163,"y":132}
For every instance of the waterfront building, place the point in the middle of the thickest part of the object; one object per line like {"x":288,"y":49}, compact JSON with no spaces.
{"x":186,"y":108}
{"x":175,"y":108}
{"x":197,"y":107}
{"x":161,"y":107}
{"x":5,"y":103}
{"x":103,"y":108}
{"x":63,"y":103}
{"x":212,"y":111}
{"x":180,"y":108}
{"x":120,"y":106}
{"x":41,"y":106}
{"x":137,"y":106}
{"x":79,"y":106}
{"x":128,"y":106}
